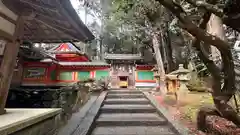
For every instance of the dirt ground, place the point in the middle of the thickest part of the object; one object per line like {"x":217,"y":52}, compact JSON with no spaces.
{"x":185,"y":110}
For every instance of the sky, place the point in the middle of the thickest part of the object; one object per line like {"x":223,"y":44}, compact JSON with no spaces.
{"x":81,"y":12}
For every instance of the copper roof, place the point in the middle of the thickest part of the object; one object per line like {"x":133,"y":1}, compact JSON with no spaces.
{"x":83,"y":64}
{"x":50,"y":21}
{"x":34,"y":54}
{"x":123,"y":56}
{"x":180,"y":70}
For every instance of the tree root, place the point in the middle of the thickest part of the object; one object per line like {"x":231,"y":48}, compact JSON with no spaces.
{"x":201,"y":117}
{"x":210,"y":121}
{"x":227,"y":111}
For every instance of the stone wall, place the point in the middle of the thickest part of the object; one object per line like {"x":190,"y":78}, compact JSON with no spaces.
{"x":69,"y":100}
{"x":49,"y":126}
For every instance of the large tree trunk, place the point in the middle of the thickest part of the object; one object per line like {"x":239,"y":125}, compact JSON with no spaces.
{"x":168,"y":48}
{"x":215,"y":27}
{"x":221,"y":95}
{"x":226,"y":73}
{"x":159,"y":60}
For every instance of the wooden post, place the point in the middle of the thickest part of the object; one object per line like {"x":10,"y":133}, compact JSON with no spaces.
{"x":8,"y":63}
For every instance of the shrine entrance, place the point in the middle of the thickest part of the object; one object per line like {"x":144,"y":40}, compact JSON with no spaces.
{"x":123,"y":68}
{"x":123,"y":83}
{"x":122,"y":75}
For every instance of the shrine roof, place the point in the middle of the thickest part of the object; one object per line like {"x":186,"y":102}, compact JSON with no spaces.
{"x":50,"y":21}
{"x":144,"y":67}
{"x":147,"y":66}
{"x":34,"y":54}
{"x":123,"y":56}
{"x":83,"y":64}
{"x":67,"y":48}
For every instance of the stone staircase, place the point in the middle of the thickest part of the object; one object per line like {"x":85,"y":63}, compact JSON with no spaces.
{"x":129,"y":112}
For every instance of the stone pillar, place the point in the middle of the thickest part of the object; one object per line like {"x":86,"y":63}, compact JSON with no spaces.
{"x":8,"y":63}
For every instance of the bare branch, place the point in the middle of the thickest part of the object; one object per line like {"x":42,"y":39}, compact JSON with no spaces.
{"x":192,"y":28}
{"x":209,"y":7}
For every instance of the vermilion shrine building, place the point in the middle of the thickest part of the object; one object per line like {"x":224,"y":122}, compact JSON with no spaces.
{"x":132,"y":66}
{"x":36,"y":21}
{"x":66,"y":63}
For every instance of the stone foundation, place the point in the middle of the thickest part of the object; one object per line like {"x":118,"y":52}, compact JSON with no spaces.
{"x":47,"y":127}
{"x":69,"y":100}
{"x":30,"y":122}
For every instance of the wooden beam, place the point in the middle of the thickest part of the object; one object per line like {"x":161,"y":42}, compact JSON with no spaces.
{"x":39,"y":5}
{"x":70,"y":19}
{"x":56,"y":29}
{"x":7,"y":18}
{"x":56,"y":25}
{"x":8,"y":63}
{"x":67,"y":52}
{"x":6,"y":35}
{"x":52,"y":19}
{"x":46,"y":40}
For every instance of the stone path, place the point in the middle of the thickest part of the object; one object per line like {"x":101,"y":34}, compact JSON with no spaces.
{"x":125,"y":112}
{"x":129,"y":112}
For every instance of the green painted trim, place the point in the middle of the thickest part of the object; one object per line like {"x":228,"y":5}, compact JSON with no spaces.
{"x":65,"y":76}
{"x":101,"y":73}
{"x":82,"y":75}
{"x":145,"y":86}
{"x":53,"y":75}
{"x":145,"y":75}
{"x":40,"y":71}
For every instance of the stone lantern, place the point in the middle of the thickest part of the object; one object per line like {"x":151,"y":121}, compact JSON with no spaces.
{"x":155,"y":72}
{"x":171,"y":83}
{"x":183,"y":77}
{"x":157,"y":77}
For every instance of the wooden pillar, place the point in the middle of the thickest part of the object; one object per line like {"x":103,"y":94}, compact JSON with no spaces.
{"x":8,"y":63}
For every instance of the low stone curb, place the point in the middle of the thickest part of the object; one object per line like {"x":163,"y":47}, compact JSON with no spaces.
{"x":86,"y":124}
{"x":181,"y":130}
{"x":25,"y":123}
{"x":77,"y":117}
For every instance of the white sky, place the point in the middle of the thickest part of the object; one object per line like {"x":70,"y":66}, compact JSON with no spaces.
{"x":81,"y":12}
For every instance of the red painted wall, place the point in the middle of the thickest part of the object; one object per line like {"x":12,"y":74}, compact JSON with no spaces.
{"x":49,"y":67}
{"x":71,"y":57}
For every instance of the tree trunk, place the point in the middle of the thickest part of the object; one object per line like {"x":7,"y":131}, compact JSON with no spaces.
{"x":221,"y":95}
{"x":159,"y":62}
{"x":215,"y":27}
{"x":168,"y":48}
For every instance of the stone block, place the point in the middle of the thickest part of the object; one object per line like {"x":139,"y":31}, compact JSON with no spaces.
{"x":29,"y":121}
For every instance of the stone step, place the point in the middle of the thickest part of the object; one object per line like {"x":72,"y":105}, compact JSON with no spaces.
{"x":137,"y":95}
{"x":126,"y":108}
{"x":124,"y":91}
{"x":133,"y":130}
{"x":130,"y":119}
{"x":126,"y":101}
